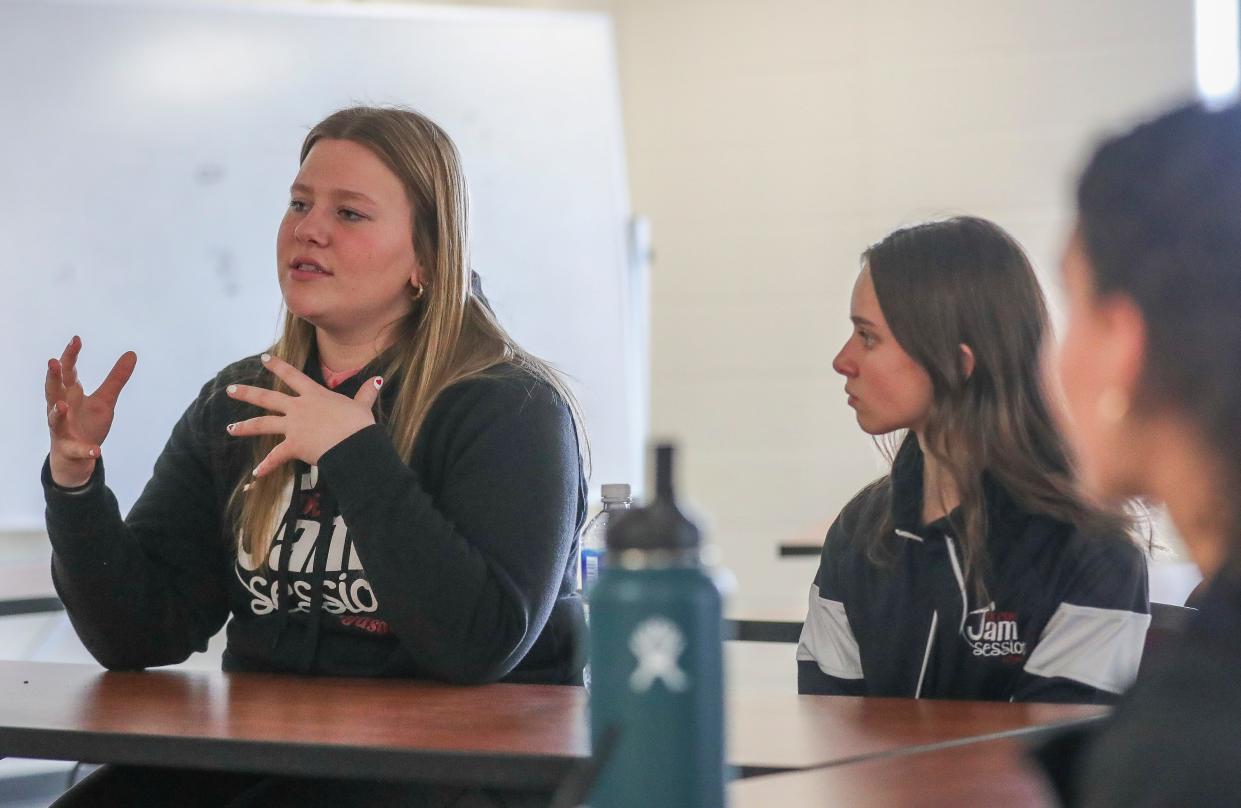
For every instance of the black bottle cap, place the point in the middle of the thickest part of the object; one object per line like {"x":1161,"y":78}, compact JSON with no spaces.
{"x":660,"y":525}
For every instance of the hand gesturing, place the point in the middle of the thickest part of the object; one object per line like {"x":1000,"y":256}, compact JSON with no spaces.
{"x":78,"y":422}
{"x":312,"y":421}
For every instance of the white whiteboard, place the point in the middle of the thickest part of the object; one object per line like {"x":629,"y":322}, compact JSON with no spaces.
{"x":145,"y":161}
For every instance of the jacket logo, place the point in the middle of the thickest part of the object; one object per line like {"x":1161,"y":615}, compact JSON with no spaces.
{"x":346,"y":589}
{"x":994,"y":634}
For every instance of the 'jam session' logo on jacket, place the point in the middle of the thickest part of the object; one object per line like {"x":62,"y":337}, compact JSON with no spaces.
{"x":994,"y":634}
{"x":346,"y":591}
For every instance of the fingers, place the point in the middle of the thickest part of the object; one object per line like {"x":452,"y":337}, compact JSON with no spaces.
{"x":263,"y":425}
{"x":56,"y":420}
{"x":261,"y":397}
{"x":110,"y":389}
{"x":368,"y":393}
{"x":69,"y":361}
{"x":53,"y":390}
{"x":297,"y":381}
{"x":276,"y":458}
{"x":62,"y":441}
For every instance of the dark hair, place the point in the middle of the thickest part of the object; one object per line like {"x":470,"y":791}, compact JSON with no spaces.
{"x":1159,"y":217}
{"x":965,"y":281}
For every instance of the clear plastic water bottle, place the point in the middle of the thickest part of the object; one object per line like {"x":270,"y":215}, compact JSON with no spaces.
{"x":593,"y":546}
{"x":594,"y":536}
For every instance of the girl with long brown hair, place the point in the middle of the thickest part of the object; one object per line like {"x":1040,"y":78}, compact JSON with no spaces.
{"x":391,"y":489}
{"x":974,"y":569}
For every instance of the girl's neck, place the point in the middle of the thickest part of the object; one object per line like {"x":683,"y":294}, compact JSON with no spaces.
{"x":939,"y":489}
{"x":349,"y":352}
{"x":1189,"y":480}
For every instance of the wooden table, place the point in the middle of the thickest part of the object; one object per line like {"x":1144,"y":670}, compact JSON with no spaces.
{"x":502,"y":735}
{"x":769,"y":732}
{"x":990,"y":773}
{"x":26,"y":588}
{"x":522,"y":736}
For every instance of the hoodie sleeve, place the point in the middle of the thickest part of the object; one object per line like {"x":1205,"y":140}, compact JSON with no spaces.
{"x":828,"y":659}
{"x":145,"y":590}
{"x":466,"y":575}
{"x":1090,"y":649}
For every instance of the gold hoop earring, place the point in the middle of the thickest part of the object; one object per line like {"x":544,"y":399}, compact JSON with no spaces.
{"x":1112,"y":406}
{"x":416,"y":291}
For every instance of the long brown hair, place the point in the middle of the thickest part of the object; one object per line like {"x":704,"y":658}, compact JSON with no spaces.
{"x":449,"y":333}
{"x":965,"y":281}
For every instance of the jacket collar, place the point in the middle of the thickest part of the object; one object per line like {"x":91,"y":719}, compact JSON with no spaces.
{"x":349,"y":387}
{"x":907,"y":491}
{"x":907,"y":498}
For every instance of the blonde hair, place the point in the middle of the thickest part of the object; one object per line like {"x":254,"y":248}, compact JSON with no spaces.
{"x":450,"y":334}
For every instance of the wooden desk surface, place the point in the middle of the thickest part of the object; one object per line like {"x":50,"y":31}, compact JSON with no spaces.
{"x":501,"y":735}
{"x":772,"y":731}
{"x":990,"y":773}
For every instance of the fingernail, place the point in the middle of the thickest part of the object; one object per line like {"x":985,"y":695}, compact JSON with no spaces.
{"x":93,"y":453}
{"x":230,"y":427}
{"x":255,"y":473}
{"x":379,"y":382}
{"x":265,"y":358}
{"x":232,"y":388}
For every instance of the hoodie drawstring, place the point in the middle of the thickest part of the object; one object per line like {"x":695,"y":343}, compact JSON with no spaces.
{"x":286,"y":551}
{"x":319,"y":551}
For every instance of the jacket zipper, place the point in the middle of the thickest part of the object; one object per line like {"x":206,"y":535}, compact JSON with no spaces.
{"x":956,"y":571}
{"x":926,"y":656}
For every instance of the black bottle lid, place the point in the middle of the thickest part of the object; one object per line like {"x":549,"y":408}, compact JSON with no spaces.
{"x":660,"y":525}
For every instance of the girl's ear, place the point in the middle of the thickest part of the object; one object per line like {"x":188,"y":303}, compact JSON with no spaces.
{"x":1121,"y":345}
{"x":967,"y":360}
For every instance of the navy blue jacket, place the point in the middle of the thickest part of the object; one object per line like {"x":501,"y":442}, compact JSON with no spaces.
{"x":1064,"y":619}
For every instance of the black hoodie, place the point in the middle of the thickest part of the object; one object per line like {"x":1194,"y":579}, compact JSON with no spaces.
{"x":1064,"y":620}
{"x":458,"y":566}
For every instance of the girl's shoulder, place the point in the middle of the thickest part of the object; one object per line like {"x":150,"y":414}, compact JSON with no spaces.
{"x":504,"y":392}
{"x":1086,"y":545}
{"x":858,"y":521}
{"x":244,"y":371}
{"x":868,"y":508}
{"x":248,"y":370}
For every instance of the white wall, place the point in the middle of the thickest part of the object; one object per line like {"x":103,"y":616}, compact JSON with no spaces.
{"x":771,"y":142}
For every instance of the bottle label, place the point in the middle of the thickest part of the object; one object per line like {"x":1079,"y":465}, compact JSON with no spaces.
{"x":657,"y":643}
{"x":592,"y":563}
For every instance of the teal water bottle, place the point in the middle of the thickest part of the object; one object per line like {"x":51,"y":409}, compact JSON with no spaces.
{"x":656,"y":652}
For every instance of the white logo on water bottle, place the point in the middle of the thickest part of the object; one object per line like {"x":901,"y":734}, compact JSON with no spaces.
{"x":657,"y":643}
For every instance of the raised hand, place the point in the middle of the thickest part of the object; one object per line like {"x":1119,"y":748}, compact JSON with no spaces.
{"x":312,"y":421}
{"x":79,"y":422}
